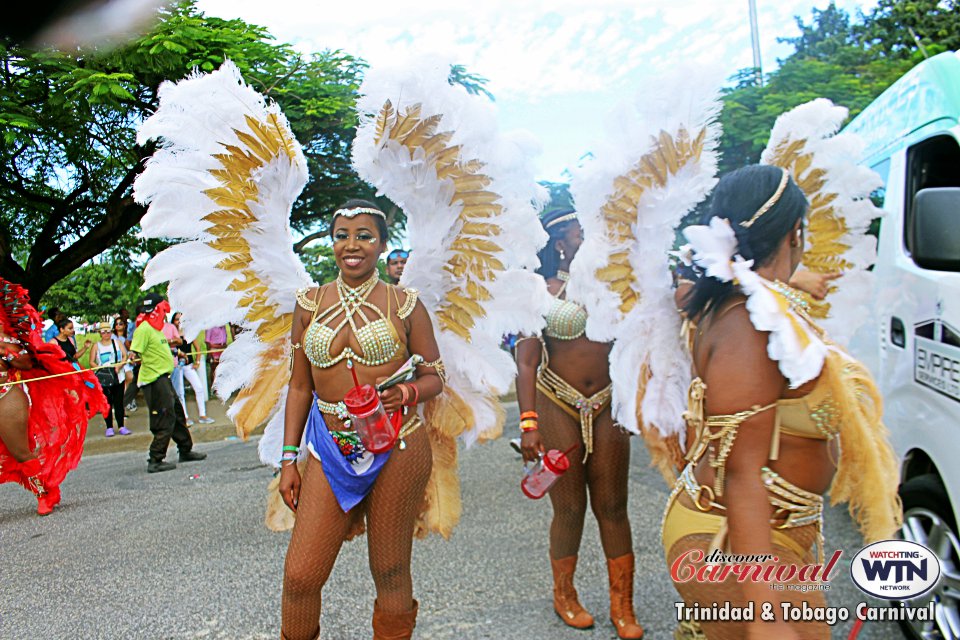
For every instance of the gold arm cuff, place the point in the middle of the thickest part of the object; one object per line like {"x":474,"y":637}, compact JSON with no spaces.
{"x":437,"y":365}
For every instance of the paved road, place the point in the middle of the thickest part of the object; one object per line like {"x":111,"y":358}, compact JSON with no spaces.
{"x":184,"y":554}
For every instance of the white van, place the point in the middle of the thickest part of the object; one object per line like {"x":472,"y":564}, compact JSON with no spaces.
{"x":912,"y":345}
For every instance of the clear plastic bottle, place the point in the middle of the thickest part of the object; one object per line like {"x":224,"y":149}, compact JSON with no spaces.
{"x":370,"y":421}
{"x":538,"y":480}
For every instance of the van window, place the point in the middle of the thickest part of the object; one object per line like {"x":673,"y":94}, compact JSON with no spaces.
{"x":880,"y":193}
{"x":935,"y":162}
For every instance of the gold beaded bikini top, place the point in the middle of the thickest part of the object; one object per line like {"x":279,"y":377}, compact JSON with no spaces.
{"x":814,"y":416}
{"x":376,"y":339}
{"x":566,"y":320}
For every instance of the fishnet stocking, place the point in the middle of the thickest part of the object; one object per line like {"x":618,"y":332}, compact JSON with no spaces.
{"x":392,"y":510}
{"x":321,"y":527}
{"x":604,"y":476}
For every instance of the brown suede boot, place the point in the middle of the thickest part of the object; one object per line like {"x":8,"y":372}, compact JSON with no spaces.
{"x":565,"y":601}
{"x":394,"y":626}
{"x":621,"y":597}
{"x":316,"y":637}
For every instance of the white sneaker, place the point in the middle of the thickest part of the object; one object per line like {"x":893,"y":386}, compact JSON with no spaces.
{"x":206,"y":420}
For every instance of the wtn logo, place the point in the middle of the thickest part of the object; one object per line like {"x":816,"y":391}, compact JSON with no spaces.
{"x":895,"y":569}
{"x":904,"y":570}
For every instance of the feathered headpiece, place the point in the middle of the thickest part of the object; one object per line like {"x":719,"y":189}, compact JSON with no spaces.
{"x":18,"y":318}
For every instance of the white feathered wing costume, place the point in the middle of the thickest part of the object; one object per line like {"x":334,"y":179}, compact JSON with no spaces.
{"x":470,"y":199}
{"x":659,"y":163}
{"x":823,"y":163}
{"x":224,"y":182}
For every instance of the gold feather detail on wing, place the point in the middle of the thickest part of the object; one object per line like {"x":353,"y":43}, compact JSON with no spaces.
{"x":260,"y":398}
{"x":620,"y":211}
{"x":473,"y":260}
{"x":262,"y":143}
{"x":824,"y":252}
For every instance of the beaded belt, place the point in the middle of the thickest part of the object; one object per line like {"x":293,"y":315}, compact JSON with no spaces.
{"x":568,"y":398}
{"x":348,"y":441}
{"x":794,"y":507}
{"x":338,"y":409}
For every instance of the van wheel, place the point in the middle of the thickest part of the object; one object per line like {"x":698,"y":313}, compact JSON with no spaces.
{"x":928,"y":520}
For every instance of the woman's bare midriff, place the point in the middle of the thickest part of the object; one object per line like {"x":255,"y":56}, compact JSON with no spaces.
{"x":584,"y":364}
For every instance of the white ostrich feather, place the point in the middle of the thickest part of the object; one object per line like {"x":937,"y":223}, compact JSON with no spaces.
{"x":222,"y":183}
{"x":823,"y":162}
{"x":658,"y":164}
{"x":410,"y":171}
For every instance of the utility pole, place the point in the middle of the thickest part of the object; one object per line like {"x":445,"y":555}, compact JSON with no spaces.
{"x":755,"y":40}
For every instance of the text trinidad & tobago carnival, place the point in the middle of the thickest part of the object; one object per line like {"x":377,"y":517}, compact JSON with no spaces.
{"x":719,"y":567}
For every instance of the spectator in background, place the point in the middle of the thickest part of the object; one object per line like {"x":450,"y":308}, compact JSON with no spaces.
{"x":110,"y":350}
{"x":120,"y":334}
{"x":396,"y":261}
{"x":216,"y":339}
{"x":130,"y":391}
{"x":167,"y":419}
{"x":64,"y":338}
{"x":54,"y":315}
{"x":187,"y":365}
{"x":125,"y":316}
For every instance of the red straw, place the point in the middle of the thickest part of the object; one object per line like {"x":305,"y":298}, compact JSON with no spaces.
{"x":575,"y":446}
{"x":855,"y":631}
{"x":353,"y":373}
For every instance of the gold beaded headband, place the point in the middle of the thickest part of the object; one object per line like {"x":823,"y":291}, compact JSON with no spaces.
{"x":563,"y":218}
{"x":769,"y":203}
{"x":355,"y":211}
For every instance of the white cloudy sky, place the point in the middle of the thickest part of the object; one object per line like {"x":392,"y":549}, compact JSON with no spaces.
{"x":556,"y":68}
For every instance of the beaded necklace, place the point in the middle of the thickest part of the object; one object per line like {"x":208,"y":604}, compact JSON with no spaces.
{"x":352,"y":297}
{"x":794,"y":297}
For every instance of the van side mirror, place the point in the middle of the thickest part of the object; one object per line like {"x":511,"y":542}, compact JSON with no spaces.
{"x":935,"y":228}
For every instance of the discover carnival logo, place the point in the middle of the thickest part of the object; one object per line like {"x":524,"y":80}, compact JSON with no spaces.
{"x":895,"y":569}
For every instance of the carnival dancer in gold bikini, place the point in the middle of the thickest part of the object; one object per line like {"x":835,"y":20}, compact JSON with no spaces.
{"x":224,"y":180}
{"x":358,"y":321}
{"x":563,"y":389}
{"x":778,"y":413}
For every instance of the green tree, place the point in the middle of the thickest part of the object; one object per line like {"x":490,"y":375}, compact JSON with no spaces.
{"x":830,"y":61}
{"x":68,"y":157}
{"x":95,"y":291}
{"x":319,"y":262}
{"x":476,"y":85}
{"x":899,"y":28}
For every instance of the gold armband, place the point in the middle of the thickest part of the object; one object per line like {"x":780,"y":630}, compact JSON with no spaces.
{"x":437,"y":365}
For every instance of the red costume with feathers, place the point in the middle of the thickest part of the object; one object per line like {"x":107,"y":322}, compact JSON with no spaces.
{"x":59,"y":407}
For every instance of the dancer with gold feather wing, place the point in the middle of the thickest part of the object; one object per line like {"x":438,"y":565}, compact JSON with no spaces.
{"x":632,"y":197}
{"x":224,"y":180}
{"x":581,"y":377}
{"x":779,"y":411}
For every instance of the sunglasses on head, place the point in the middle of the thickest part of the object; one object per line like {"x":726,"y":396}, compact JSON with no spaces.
{"x":398,"y":253}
